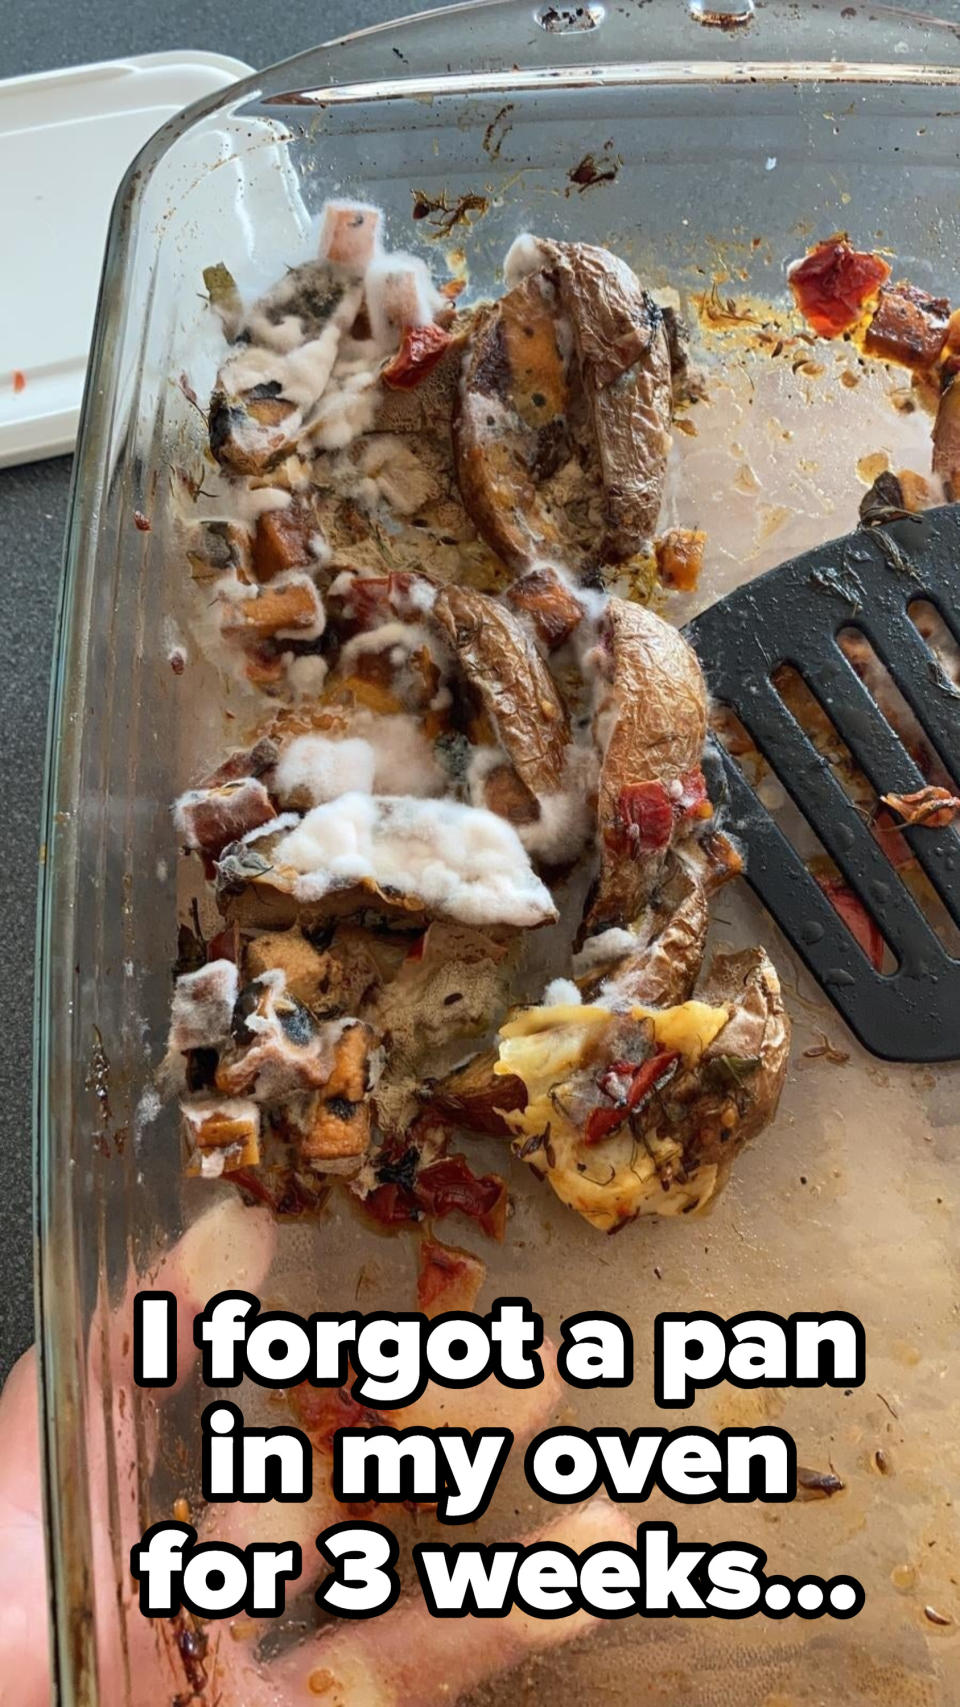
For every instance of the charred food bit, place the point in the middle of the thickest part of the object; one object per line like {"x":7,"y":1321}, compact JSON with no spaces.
{"x":679,"y":556}
{"x":818,"y":1484}
{"x":908,"y":326}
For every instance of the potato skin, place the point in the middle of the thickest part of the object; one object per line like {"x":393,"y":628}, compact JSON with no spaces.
{"x":477,"y":1098}
{"x":665,"y":966}
{"x":946,"y":440}
{"x":625,"y":364}
{"x":653,"y":714}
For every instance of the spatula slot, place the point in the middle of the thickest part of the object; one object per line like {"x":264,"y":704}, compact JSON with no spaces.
{"x":943,"y":639}
{"x":910,"y":729}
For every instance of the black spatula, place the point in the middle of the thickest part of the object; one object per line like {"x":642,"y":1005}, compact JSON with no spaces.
{"x":792,"y":615}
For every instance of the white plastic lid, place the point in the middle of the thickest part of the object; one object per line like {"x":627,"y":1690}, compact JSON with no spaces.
{"x":66,"y":139}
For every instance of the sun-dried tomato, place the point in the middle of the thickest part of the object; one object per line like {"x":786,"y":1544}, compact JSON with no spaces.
{"x":644,"y":821}
{"x":833,"y":285}
{"x":449,"y":1184}
{"x":321,"y":1411}
{"x":442,"y":1188}
{"x":417,"y":356}
{"x":630,"y":1085}
{"x":855,"y":916}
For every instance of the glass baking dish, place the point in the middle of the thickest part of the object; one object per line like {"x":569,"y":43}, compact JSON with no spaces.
{"x":735,"y":136}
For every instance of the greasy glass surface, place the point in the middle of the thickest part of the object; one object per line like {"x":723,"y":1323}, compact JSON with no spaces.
{"x":722,"y":173}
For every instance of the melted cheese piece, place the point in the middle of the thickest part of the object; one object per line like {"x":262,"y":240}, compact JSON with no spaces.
{"x":689,"y":1028}
{"x":611,"y":1181}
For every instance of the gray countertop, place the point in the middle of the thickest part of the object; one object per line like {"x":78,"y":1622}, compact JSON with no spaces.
{"x":33,"y":500}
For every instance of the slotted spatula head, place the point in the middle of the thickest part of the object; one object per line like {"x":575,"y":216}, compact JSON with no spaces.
{"x":792,"y":616}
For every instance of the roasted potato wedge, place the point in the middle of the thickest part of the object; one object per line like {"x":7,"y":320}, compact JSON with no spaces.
{"x":651,"y":723}
{"x":401,"y":859}
{"x":946,"y":440}
{"x":562,"y":432}
{"x":512,"y":682}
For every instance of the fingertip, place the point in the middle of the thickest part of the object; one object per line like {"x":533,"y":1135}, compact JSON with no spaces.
{"x":230,"y":1245}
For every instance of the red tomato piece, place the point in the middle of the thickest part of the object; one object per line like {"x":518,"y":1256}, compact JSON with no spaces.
{"x":645,"y":816}
{"x":834,"y":283}
{"x":637,"y":1081}
{"x":417,"y":356}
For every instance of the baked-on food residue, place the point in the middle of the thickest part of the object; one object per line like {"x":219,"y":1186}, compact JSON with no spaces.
{"x":463,"y":863}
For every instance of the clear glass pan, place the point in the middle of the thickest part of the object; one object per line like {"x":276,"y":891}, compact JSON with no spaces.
{"x":734,"y":147}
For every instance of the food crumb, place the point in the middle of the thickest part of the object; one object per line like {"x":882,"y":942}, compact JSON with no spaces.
{"x":19,"y":380}
{"x":590,"y":171}
{"x":819,"y":1484}
{"x":679,"y":556}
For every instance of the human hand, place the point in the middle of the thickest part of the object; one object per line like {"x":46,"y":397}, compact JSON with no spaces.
{"x":404,"y":1659}
{"x":24,"y":1649}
